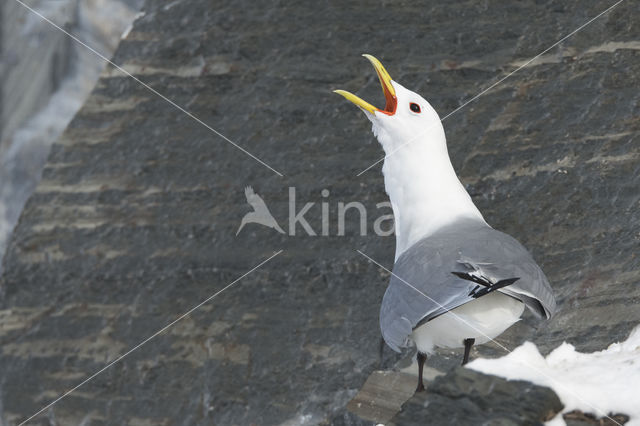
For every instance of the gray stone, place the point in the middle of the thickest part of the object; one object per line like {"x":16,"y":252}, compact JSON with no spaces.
{"x":466,"y":397}
{"x":382,"y":395}
{"x":578,"y":418}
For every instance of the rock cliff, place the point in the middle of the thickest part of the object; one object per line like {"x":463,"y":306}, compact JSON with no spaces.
{"x":135,"y":219}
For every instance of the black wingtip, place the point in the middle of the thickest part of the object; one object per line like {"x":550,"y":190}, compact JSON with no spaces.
{"x":488,"y":286}
{"x":478,"y":280}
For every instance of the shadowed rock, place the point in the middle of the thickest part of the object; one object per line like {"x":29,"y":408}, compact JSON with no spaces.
{"x":466,"y":397}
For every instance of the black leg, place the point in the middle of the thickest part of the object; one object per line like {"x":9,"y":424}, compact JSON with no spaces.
{"x":467,"y":348}
{"x":421,"y":359}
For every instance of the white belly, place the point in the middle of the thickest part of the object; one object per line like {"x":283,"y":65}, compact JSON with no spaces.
{"x":482,"y":319}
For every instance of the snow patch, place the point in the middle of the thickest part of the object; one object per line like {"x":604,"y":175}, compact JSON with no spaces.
{"x":601,"y":383}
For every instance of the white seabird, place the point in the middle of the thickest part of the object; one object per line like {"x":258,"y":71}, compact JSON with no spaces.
{"x":456,"y":281}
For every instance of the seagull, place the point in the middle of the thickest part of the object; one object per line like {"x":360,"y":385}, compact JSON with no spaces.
{"x":260,"y":213}
{"x":456,"y":281}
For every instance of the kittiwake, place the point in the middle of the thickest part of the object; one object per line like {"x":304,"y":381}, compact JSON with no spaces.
{"x":456,"y":281}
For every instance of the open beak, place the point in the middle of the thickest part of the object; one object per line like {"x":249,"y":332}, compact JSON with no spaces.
{"x":387,"y":89}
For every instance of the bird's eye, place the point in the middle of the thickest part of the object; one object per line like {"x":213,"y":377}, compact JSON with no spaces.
{"x":414,"y":107}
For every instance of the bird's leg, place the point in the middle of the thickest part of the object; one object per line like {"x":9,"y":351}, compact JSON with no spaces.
{"x":421,"y":359}
{"x":381,"y":352}
{"x":467,"y":348}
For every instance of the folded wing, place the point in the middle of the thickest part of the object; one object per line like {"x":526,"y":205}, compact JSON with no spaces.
{"x":433,"y":277}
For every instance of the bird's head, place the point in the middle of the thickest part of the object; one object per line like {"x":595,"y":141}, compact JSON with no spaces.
{"x":424,"y":190}
{"x":407,"y":118}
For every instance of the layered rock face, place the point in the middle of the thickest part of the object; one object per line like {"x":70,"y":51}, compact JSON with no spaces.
{"x":46,"y":78}
{"x":135,"y":219}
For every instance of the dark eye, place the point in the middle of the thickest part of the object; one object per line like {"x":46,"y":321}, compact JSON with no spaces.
{"x":414,"y":107}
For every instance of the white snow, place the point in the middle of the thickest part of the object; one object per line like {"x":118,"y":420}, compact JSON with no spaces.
{"x":601,"y":383}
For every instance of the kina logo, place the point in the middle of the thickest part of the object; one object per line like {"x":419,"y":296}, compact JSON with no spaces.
{"x":260,"y":214}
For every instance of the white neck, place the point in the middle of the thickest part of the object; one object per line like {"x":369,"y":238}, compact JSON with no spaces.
{"x":423,"y":188}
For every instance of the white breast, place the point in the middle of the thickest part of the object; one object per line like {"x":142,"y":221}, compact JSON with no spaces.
{"x":482,"y":319}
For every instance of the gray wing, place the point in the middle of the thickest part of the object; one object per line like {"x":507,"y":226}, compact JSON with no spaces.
{"x":423,"y":286}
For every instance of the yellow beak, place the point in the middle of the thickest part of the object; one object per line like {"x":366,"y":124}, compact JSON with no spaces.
{"x":387,"y":89}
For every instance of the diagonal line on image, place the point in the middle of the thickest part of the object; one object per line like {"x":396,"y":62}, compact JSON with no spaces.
{"x":149,"y":88}
{"x":162,"y":330}
{"x":496,"y":83}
